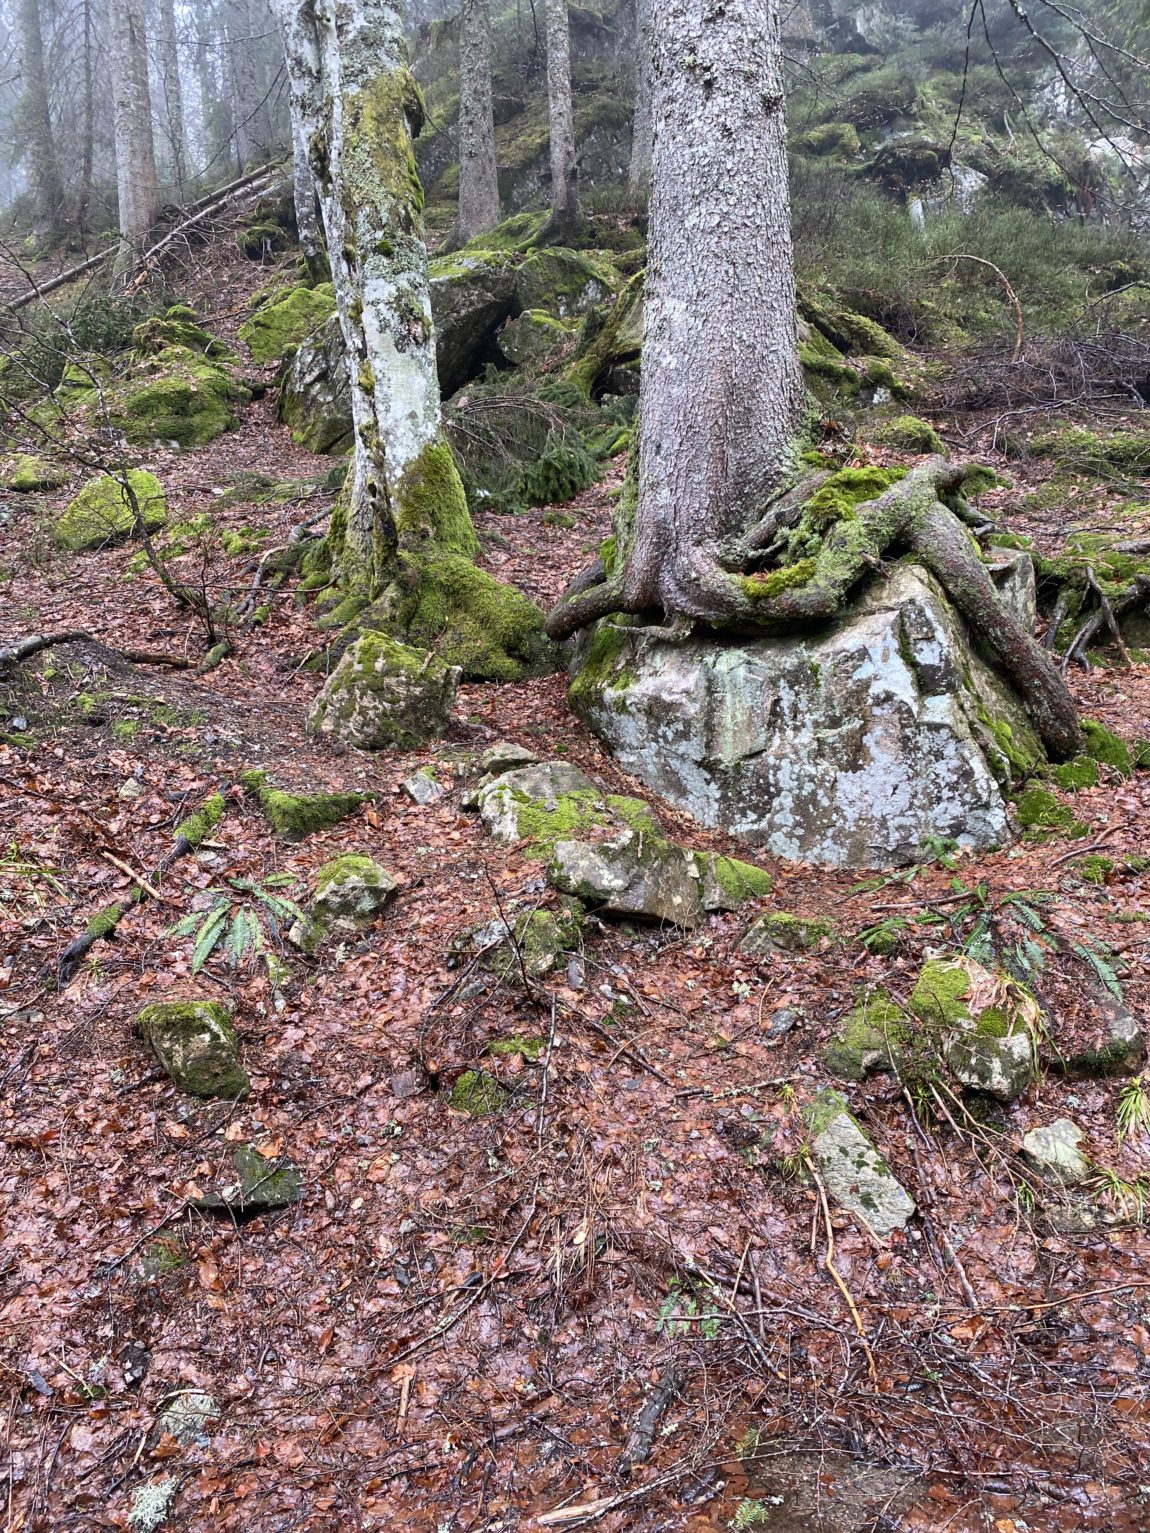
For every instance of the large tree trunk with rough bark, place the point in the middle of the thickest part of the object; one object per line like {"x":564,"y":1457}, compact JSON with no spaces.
{"x":36,"y":120}
{"x":709,"y":533}
{"x":643,"y":121}
{"x":135,"y":146}
{"x":722,"y":390}
{"x":564,"y":193}
{"x":478,"y":182}
{"x":403,"y":538}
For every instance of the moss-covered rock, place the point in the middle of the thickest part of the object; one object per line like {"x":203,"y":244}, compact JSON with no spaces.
{"x":198,"y":826}
{"x":260,"y":1185}
{"x":910,"y":434}
{"x":985,"y":1024}
{"x":537,"y":947}
{"x":1039,"y":811}
{"x":178,"y":326}
{"x":1117,"y":1048}
{"x":197,"y":1046}
{"x":530,"y":339}
{"x":729,"y":884}
{"x":30,"y":474}
{"x":563,"y":283}
{"x":384,"y":694}
{"x":350,"y":892}
{"x":782,"y":932}
{"x":295,"y":816}
{"x":178,"y":397}
{"x":1104,"y":746}
{"x":102,"y":513}
{"x":280,"y":327}
{"x":874,"y":1037}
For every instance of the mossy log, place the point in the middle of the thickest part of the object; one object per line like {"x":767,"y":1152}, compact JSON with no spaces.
{"x":911,"y":515}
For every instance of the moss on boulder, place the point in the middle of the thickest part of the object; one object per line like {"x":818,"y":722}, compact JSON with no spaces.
{"x":101,"y":513}
{"x":197,"y":1046}
{"x":178,"y":326}
{"x":178,"y":397}
{"x":873,"y":1037}
{"x":782,"y":932}
{"x":30,"y":474}
{"x":279,"y":327}
{"x":384,"y":694}
{"x":910,"y":434}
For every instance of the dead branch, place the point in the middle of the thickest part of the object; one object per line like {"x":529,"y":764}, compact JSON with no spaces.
{"x":24,"y":649}
{"x":1019,"y":332}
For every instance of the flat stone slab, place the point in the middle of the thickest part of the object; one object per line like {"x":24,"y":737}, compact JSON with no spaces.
{"x":855,"y":1175}
{"x":1054,"y":1152}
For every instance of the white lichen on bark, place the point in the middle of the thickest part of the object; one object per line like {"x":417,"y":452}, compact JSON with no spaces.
{"x":132,"y":122}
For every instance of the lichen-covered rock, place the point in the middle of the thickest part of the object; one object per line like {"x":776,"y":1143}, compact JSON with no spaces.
{"x":315,"y":395}
{"x":423,"y":786}
{"x":1054,"y":1152}
{"x":542,"y":802}
{"x":853,"y":1171}
{"x":101,"y":513}
{"x":384,"y":694}
{"x":1001,"y":1067}
{"x":636,"y":874}
{"x":29,"y":474}
{"x":563,"y":283}
{"x":873,"y":1037}
{"x":197,"y":1046}
{"x":472,"y":293}
{"x":280,"y":327}
{"x":531,"y":338}
{"x":350,"y":892}
{"x":505,"y":756}
{"x":781,"y":932}
{"x":1119,"y":1047}
{"x":851,"y":747}
{"x":536,"y":947}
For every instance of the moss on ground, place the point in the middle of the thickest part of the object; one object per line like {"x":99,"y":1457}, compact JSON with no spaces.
{"x":479,"y":1094}
{"x":1040,"y":812}
{"x":197,"y":827}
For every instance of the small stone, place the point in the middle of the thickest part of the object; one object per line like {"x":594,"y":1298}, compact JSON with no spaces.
{"x":129,"y":791}
{"x":781,"y":932}
{"x":263,"y":1184}
{"x":197,"y":1046}
{"x":350,"y":892}
{"x":853,"y":1171}
{"x":1002,"y":1067}
{"x":1119,"y":1050}
{"x":423,"y":788}
{"x":188,"y":1414}
{"x":506,"y":756}
{"x":1053,"y":1152}
{"x":633,"y":875}
{"x":782,"y":1023}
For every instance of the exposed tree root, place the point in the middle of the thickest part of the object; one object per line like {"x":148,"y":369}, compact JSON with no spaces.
{"x":911,"y":515}
{"x":23,"y":649}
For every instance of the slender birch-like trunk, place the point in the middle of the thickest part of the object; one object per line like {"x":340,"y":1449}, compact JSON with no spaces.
{"x":564,"y":194}
{"x":36,"y":120}
{"x":643,"y":122}
{"x":722,"y":391}
{"x":478,"y":181}
{"x":135,"y":146}
{"x":306,"y":210}
{"x":403,"y":538}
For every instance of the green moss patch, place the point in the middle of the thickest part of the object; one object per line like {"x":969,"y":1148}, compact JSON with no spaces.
{"x":101,"y":513}
{"x":30,"y":474}
{"x":197,"y":827}
{"x":910,"y":434}
{"x":295,"y":816}
{"x":1104,"y":746}
{"x":872,"y":1037}
{"x":478,"y":1094}
{"x":1040,"y":812}
{"x":279,"y":327}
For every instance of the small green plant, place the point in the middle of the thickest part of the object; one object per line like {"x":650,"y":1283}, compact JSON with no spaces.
{"x":748,"y":1445}
{"x":1128,"y":1198}
{"x":680,"y":1310}
{"x":24,"y":877}
{"x":236,"y":922}
{"x":749,"y":1514}
{"x":882,"y":938}
{"x":1133,"y":1109}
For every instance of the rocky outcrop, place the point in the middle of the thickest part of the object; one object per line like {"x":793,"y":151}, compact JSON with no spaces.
{"x":315,"y":396}
{"x":384,"y":694}
{"x":847,"y":747}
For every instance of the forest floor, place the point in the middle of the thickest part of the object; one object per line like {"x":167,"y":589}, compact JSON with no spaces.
{"x":461,"y":1322}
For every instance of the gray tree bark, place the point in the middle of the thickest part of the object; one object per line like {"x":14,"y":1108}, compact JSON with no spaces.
{"x":722,"y":389}
{"x":643,"y":122}
{"x":135,"y":146}
{"x":306,"y":210}
{"x":478,"y":180}
{"x":564,"y":193}
{"x":172,"y":93}
{"x":36,"y":120}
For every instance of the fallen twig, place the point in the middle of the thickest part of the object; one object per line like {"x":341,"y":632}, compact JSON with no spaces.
{"x":829,"y":1264}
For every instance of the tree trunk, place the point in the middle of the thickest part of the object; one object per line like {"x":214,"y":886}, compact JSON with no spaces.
{"x":643,"y":122}
{"x":135,"y":148}
{"x":403,"y":537}
{"x":478,"y":182}
{"x":722,"y":390}
{"x":242,"y":85}
{"x":306,"y":211}
{"x":172,"y":93}
{"x":36,"y":121}
{"x":88,"y":128}
{"x":564,"y":194}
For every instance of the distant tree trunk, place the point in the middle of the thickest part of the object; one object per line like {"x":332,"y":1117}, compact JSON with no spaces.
{"x":88,"y":130}
{"x":36,"y":121}
{"x":242,"y":83}
{"x":478,"y":181}
{"x":135,"y":147}
{"x":643,"y":122}
{"x":564,"y":195}
{"x":172,"y":93}
{"x":403,"y":537}
{"x":716,"y":435}
{"x":306,"y":211}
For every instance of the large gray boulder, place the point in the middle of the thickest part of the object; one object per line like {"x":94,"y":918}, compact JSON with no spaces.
{"x":847,"y":747}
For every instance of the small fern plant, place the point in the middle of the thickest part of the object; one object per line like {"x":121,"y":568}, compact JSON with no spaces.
{"x":244,"y":920}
